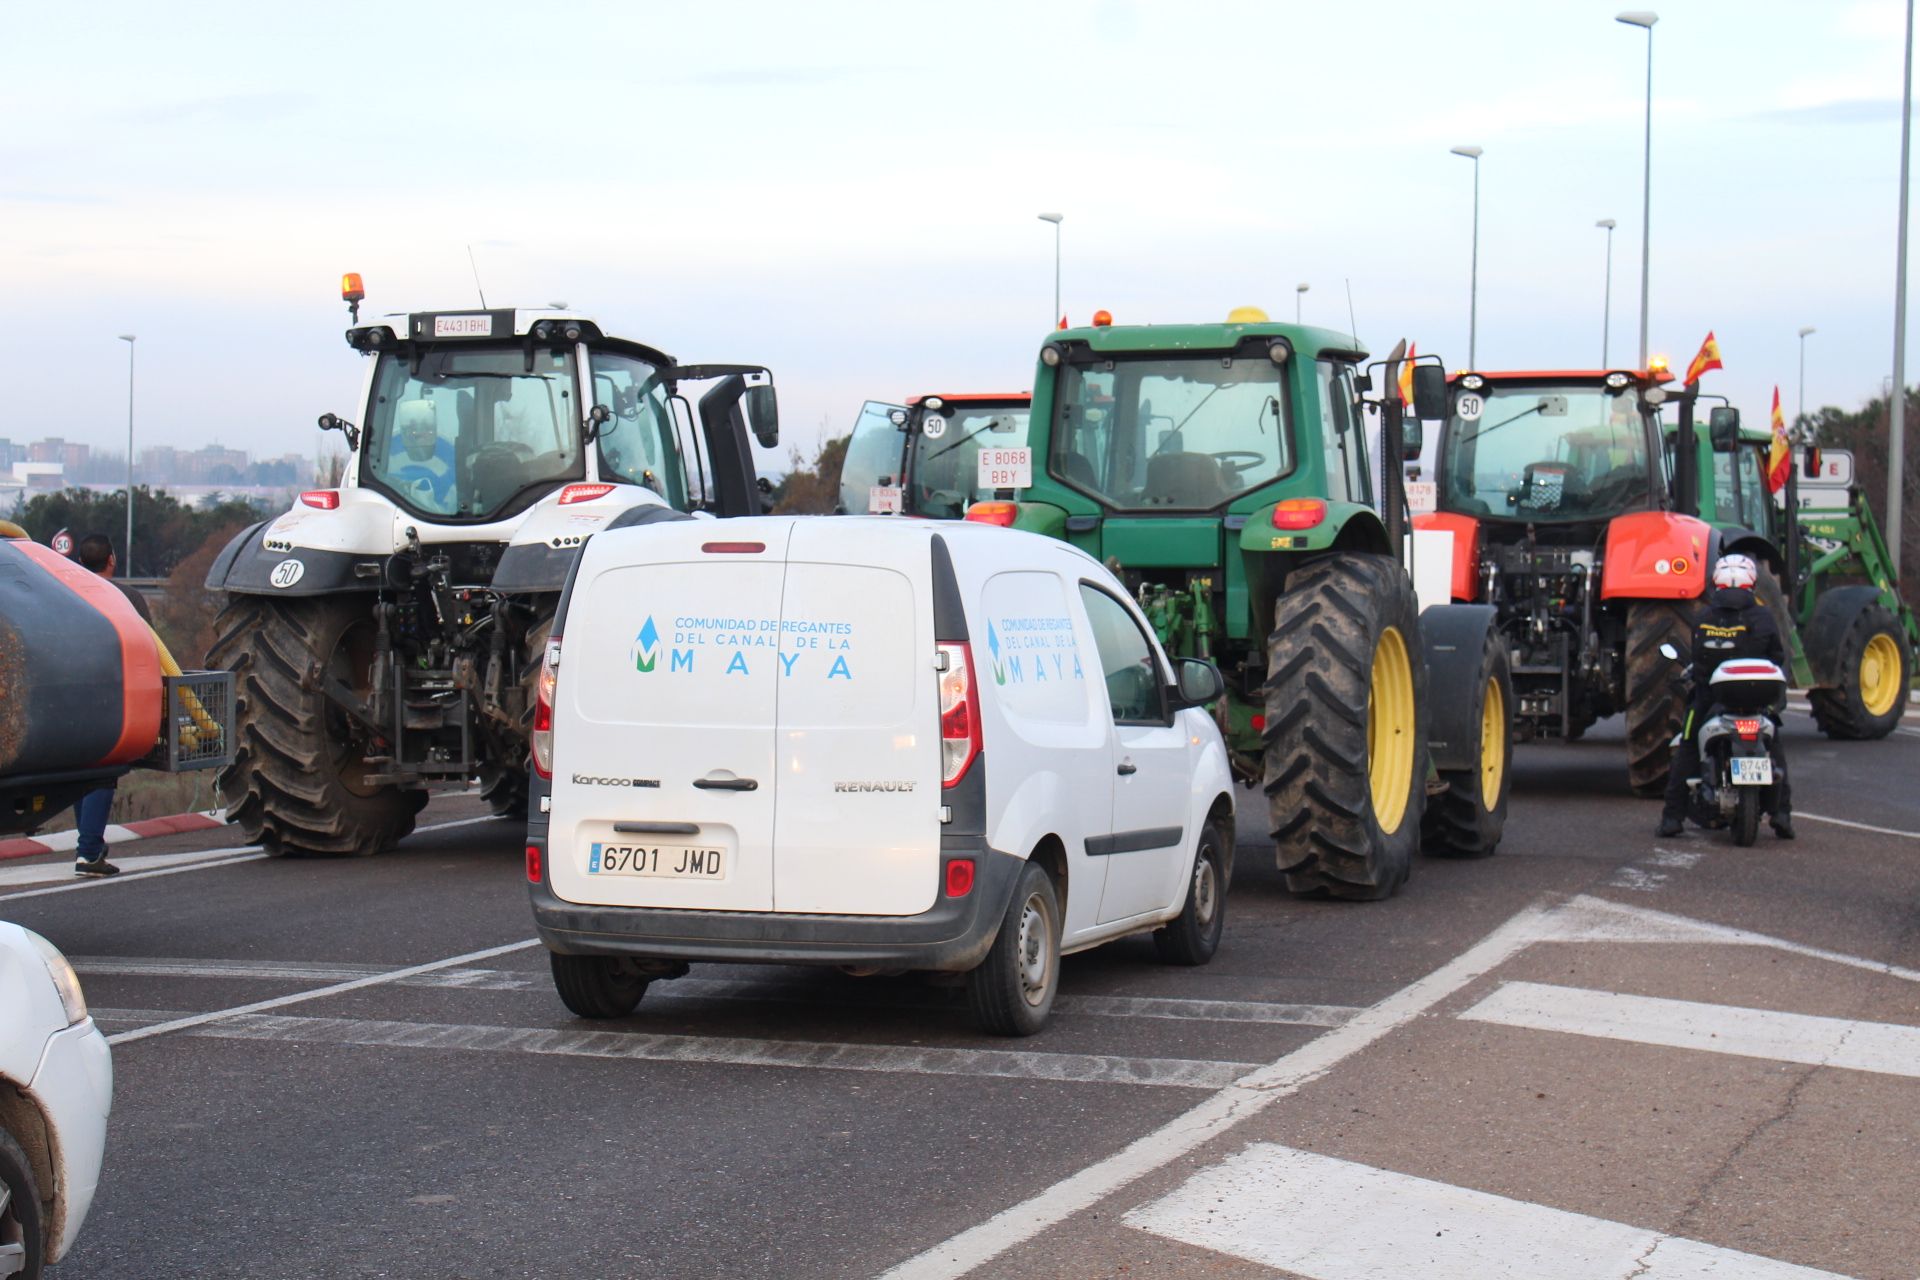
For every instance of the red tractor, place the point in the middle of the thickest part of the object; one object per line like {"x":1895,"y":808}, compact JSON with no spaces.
{"x":1557,"y":489}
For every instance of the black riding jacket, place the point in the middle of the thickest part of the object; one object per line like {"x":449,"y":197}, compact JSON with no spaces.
{"x":1736,"y":625}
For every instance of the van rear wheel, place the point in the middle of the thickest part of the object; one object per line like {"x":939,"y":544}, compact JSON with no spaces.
{"x":1012,"y":990}
{"x":1192,"y":937}
{"x":598,"y":986}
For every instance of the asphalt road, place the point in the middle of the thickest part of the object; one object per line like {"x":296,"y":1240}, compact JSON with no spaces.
{"x":1594,"y":1054}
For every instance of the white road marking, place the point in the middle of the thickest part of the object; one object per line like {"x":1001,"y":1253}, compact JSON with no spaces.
{"x":1883,"y":1047}
{"x":300,"y":997}
{"x":294,"y":971}
{"x":1243,"y":1099}
{"x":1857,"y":826}
{"x":148,"y":866}
{"x":1079,"y":1068}
{"x":1651,"y":873}
{"x":1328,"y":1219}
{"x":1589,"y":919}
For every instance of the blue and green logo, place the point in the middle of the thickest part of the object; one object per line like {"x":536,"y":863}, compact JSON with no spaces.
{"x":646,"y":646}
{"x":993,"y":647}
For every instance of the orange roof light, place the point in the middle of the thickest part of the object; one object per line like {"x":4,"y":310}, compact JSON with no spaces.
{"x":1656,"y":363}
{"x":1000,"y":513}
{"x":1102,"y":319}
{"x":351,"y":290}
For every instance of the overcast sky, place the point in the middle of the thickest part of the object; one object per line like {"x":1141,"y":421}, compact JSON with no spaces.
{"x":847,"y":192}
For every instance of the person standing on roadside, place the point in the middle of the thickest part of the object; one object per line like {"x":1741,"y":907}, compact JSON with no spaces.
{"x":95,"y":554}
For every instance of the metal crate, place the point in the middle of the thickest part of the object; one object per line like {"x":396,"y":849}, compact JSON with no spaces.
{"x":197,"y":729}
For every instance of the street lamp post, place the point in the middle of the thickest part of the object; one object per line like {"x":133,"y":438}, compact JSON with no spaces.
{"x":1897,"y":405}
{"x":1055,"y":219}
{"x":1299,"y":297}
{"x":1645,"y":18}
{"x":127,"y":550}
{"x":1606,"y":303}
{"x":1473,"y":296}
{"x":1801,"y":411}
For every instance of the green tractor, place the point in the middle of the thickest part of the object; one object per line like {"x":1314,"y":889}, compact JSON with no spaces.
{"x":1222,"y":471}
{"x":1850,"y":636}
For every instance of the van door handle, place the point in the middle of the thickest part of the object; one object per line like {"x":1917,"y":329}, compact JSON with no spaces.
{"x":726,"y":784}
{"x":1127,"y":767}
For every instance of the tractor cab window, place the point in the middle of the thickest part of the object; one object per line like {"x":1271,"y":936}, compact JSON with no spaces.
{"x":1545,"y":453}
{"x":471,"y":429}
{"x":1157,"y":434}
{"x":944,"y":456}
{"x":876,"y":455}
{"x":640,"y":442}
{"x":1756,"y":500}
{"x":1346,"y":456}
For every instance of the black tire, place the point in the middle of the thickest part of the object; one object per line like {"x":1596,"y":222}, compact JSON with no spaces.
{"x":1331,"y":631}
{"x":1843,"y":711}
{"x":504,"y":789}
{"x":1773,"y":598}
{"x":21,"y":1218}
{"x":504,"y":784}
{"x":1468,"y":818}
{"x":598,"y":986}
{"x":1746,"y":816}
{"x":1192,"y":937}
{"x":1012,"y":990}
{"x":294,"y":785}
{"x":1655,"y":706}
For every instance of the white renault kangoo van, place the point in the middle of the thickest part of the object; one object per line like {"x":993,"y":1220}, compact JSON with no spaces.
{"x":878,"y":744}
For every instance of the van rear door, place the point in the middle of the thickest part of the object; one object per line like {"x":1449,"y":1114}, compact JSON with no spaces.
{"x":664,"y":781}
{"x":858,"y":830}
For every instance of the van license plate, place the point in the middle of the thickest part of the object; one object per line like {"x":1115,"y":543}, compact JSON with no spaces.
{"x":671,"y":861}
{"x":1752,"y":771}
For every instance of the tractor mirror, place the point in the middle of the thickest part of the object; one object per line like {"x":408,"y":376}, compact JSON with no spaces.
{"x":1196,"y":682}
{"x":763,"y":414}
{"x":1723,"y":428}
{"x":1412,"y":437}
{"x":597,"y":419}
{"x":1429,"y":392}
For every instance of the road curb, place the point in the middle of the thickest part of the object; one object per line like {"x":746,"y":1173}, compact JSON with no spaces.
{"x":116,"y":833}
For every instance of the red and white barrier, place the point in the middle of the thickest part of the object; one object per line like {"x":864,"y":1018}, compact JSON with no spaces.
{"x":117,"y":833}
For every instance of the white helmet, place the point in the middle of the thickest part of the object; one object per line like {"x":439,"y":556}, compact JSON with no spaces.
{"x":1735,"y":570}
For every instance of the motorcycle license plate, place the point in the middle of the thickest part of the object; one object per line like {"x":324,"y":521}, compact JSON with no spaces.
{"x":666,"y":861}
{"x":1752,"y":771}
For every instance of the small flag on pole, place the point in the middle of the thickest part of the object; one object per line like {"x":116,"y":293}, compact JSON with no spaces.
{"x":1709,"y":358}
{"x":1406,"y":374}
{"x":1780,"y":452}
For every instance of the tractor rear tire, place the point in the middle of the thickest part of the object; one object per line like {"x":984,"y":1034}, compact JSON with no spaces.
{"x":504,"y":784}
{"x":1656,"y":706}
{"x":1346,"y":733}
{"x":1469,"y":817}
{"x":295,"y":786}
{"x":1767,"y":590}
{"x":1876,"y":669}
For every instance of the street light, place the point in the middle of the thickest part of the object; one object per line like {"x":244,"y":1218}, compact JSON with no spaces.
{"x":1055,"y":219}
{"x":1645,"y":18}
{"x":127,"y":550}
{"x":1606,"y":305}
{"x":1897,"y":405}
{"x":1299,"y":296}
{"x":1473,"y":297}
{"x":1801,"y":412}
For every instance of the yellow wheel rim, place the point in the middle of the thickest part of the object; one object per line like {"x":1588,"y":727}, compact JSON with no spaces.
{"x":1880,"y":675}
{"x":1493,"y":745}
{"x":1390,"y":720}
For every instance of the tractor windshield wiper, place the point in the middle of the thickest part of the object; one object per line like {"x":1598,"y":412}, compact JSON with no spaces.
{"x":1504,"y":421}
{"x":962,"y":440}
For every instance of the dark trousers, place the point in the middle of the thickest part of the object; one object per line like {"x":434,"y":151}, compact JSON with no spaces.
{"x":90,"y":815}
{"x":1686,"y":764}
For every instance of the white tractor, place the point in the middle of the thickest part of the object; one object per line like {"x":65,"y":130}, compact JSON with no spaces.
{"x":385,"y":635}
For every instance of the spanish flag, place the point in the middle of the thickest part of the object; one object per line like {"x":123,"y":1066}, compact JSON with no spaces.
{"x":1780,"y":452}
{"x":1709,"y":358}
{"x":1406,"y":375}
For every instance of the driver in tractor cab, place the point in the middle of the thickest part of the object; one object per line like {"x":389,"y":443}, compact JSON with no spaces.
{"x":424,"y":468}
{"x":1736,"y":625}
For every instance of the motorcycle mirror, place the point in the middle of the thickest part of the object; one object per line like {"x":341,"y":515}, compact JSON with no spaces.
{"x":1670,"y":653}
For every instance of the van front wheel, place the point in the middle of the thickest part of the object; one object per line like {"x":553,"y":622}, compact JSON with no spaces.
{"x":598,"y":986}
{"x":1012,"y":990}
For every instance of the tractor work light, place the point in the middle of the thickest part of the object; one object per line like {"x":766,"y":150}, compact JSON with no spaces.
{"x":934,"y":402}
{"x":571,"y":333}
{"x":1050,"y":356}
{"x":351,"y":290}
{"x":1299,"y":513}
{"x":898,"y":417}
{"x":1277,"y":352}
{"x":1656,"y":395}
{"x":1618,"y":381}
{"x":1473,"y":382}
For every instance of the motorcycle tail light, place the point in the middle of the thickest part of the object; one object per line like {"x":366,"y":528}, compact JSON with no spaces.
{"x":1747,"y":727}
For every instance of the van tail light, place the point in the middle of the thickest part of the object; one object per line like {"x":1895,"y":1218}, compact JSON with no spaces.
{"x":1747,"y":727}
{"x":1299,"y":513}
{"x":533,"y":864}
{"x":959,"y":877}
{"x":1000,"y":513}
{"x":325,"y":499}
{"x":543,"y":709}
{"x":959,"y":713}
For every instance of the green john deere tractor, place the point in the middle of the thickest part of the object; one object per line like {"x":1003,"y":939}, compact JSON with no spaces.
{"x":1850,"y":636}
{"x":1223,"y":471}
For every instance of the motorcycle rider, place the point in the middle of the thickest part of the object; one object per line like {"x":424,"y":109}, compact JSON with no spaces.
{"x":1736,"y":625}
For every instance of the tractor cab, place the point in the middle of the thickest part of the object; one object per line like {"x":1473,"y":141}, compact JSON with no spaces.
{"x":935,"y":456}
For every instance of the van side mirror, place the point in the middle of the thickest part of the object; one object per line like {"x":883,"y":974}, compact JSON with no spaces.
{"x":1196,"y":683}
{"x":1429,"y":392}
{"x":1723,"y":428}
{"x":763,"y":415}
